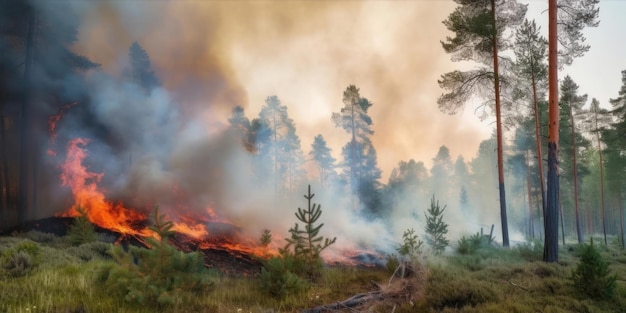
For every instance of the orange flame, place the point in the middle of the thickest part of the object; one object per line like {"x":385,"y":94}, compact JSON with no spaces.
{"x":116,"y":217}
{"x":84,"y":186}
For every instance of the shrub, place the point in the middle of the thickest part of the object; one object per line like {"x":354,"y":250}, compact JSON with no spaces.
{"x":21,"y":259}
{"x":592,"y":275}
{"x":472,"y":244}
{"x":530,"y":251}
{"x":278,"y":279}
{"x":160,"y":275}
{"x":82,"y":231}
{"x":41,"y":237}
{"x":90,"y":251}
{"x":392,"y":263}
{"x":447,"y":290}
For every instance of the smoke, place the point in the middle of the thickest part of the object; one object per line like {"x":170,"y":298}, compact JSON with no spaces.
{"x":170,"y":146}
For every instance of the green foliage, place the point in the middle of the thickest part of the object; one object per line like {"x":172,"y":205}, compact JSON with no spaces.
{"x":82,"y":231}
{"x":306,"y":243}
{"x":592,"y":275}
{"x":91,"y":251}
{"x":160,"y":275}
{"x":266,"y":237}
{"x":469,"y":245}
{"x":392,"y":263}
{"x":451,"y":290}
{"x":530,"y":251}
{"x":411,"y":246}
{"x":41,"y":237}
{"x":436,"y":228}
{"x":278,"y":277}
{"x":20,"y":260}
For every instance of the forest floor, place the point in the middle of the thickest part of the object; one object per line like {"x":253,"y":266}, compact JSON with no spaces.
{"x":491,"y":279}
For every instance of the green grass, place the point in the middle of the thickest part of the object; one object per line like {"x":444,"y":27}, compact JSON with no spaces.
{"x":490,"y":280}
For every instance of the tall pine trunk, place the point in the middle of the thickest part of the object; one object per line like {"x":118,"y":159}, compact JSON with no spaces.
{"x":551,"y":214}
{"x":621,"y":216}
{"x":602,"y":196}
{"x":496,"y":83}
{"x":531,"y":220}
{"x":538,"y":142}
{"x":574,"y":150}
{"x":601,"y":177}
{"x":25,"y":123}
{"x":562,"y":221}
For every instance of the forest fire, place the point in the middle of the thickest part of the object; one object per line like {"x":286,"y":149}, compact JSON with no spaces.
{"x":204,"y":232}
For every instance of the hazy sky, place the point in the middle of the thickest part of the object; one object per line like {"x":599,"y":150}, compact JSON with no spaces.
{"x":214,"y":55}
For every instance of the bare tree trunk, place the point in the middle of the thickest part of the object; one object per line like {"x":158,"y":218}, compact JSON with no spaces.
{"x":496,"y":82}
{"x":25,"y":121}
{"x":621,"y":216}
{"x":574,"y":152}
{"x":531,"y":220}
{"x":551,"y":215}
{"x":538,"y":141}
{"x":4,"y":172}
{"x":601,"y":178}
{"x":562,"y":222}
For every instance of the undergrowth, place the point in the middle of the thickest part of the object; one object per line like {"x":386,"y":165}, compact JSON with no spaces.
{"x":64,"y":281}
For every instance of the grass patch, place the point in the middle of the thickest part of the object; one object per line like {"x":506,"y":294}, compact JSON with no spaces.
{"x":491,"y":279}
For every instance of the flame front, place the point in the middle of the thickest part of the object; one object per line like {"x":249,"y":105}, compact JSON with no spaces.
{"x":84,"y":186}
{"x":117,"y":218}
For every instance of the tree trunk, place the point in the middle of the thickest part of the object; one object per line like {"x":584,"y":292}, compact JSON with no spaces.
{"x":601,"y":178}
{"x":25,"y":121}
{"x":562,"y":221}
{"x":538,"y":141}
{"x":574,"y":152}
{"x":531,"y":220}
{"x":551,"y":215}
{"x":602,"y":197}
{"x":496,"y":83}
{"x":621,"y":216}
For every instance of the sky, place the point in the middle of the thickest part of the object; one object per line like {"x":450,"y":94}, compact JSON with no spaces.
{"x":214,"y":55}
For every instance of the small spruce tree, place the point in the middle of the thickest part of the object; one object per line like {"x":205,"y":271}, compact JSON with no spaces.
{"x":592,"y":275}
{"x":411,"y":246}
{"x":82,"y":231}
{"x":299,"y":261}
{"x":436,"y":228}
{"x":306,"y":242}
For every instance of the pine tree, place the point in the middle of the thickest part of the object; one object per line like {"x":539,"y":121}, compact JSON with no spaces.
{"x":321,"y":155}
{"x":82,"y":231}
{"x":566,"y":20}
{"x":280,"y":151}
{"x":360,"y":169}
{"x":530,"y":52}
{"x":480,"y":27}
{"x":592,"y":275}
{"x":436,"y":228}
{"x":141,"y":71}
{"x":305,"y":242}
{"x":241,"y":125}
{"x":571,"y":143}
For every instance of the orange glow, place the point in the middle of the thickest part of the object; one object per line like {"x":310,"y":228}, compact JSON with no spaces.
{"x":84,"y":186}
{"x":117,"y":218}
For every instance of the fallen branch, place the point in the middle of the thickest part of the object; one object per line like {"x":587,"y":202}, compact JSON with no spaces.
{"x":516,"y":285}
{"x":403,"y":289}
{"x":351,"y":302}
